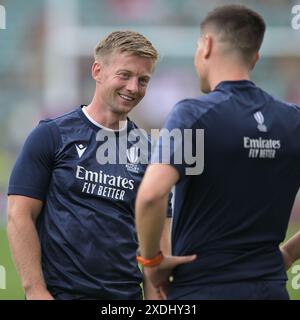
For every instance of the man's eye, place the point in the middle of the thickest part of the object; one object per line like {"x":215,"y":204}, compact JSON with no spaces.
{"x":124,"y":76}
{"x":144,"y":82}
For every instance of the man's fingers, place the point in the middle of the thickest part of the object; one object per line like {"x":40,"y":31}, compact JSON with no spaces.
{"x":177,"y":260}
{"x":163,"y":288}
{"x":163,"y":292}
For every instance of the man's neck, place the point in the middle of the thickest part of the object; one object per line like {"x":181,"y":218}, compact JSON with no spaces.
{"x":227,"y":72}
{"x":218,"y":80}
{"x":105,"y":118}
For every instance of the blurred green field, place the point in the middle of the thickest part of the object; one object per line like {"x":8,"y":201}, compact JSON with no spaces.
{"x":14,"y":290}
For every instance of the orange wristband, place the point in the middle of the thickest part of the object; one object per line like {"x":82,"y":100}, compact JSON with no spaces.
{"x":150,"y":262}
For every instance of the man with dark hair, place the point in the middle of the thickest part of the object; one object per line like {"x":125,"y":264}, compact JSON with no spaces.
{"x":234,"y":215}
{"x":71,"y":216}
{"x":244,"y":33}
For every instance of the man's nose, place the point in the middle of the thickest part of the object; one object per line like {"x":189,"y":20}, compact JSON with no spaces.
{"x":132,"y":85}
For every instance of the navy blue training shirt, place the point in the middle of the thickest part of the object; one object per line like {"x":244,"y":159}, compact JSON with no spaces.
{"x":86,"y":227}
{"x":235,"y":214}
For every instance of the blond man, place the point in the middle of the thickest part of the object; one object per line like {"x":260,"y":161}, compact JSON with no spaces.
{"x":71,"y":216}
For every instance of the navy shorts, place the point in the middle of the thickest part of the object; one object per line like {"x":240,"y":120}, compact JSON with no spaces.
{"x":250,"y":290}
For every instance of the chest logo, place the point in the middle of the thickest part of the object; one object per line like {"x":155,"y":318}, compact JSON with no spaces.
{"x":80,"y":149}
{"x":258,"y":116}
{"x":133,"y":158}
{"x":132,"y":155}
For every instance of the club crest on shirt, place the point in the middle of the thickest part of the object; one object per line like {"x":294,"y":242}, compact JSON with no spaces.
{"x":258,"y":116}
{"x":133,"y":158}
{"x":132,"y":155}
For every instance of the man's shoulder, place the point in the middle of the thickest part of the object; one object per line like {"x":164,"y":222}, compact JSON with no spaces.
{"x":66,"y":117}
{"x":200,"y":105}
{"x":286,"y":106}
{"x":56,"y":127}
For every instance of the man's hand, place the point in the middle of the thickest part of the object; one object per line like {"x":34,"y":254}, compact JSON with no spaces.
{"x":159,"y":275}
{"x":150,"y":293}
{"x":40,"y":293}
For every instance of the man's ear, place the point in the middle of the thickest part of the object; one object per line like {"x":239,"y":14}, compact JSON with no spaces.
{"x":207,"y":46}
{"x":256,"y":58}
{"x":96,"y":70}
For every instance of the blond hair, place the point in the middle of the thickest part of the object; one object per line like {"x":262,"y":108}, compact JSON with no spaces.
{"x":125,"y":41}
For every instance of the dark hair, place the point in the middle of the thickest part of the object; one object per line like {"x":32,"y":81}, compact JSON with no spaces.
{"x":242,"y":28}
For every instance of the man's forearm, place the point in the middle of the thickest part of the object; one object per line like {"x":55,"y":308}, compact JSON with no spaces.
{"x":151,"y":206}
{"x":25,"y":247}
{"x":150,"y":219}
{"x":165,"y":239}
{"x":292,"y":248}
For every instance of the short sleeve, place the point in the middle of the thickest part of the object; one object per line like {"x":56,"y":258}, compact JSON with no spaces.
{"x":31,"y":173}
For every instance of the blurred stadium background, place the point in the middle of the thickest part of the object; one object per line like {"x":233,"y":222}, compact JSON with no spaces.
{"x":46,"y":54}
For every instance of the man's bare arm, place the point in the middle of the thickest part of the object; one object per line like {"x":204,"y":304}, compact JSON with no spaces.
{"x":25,"y":245}
{"x":150,"y":292}
{"x":151,"y":206}
{"x":165,"y":239}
